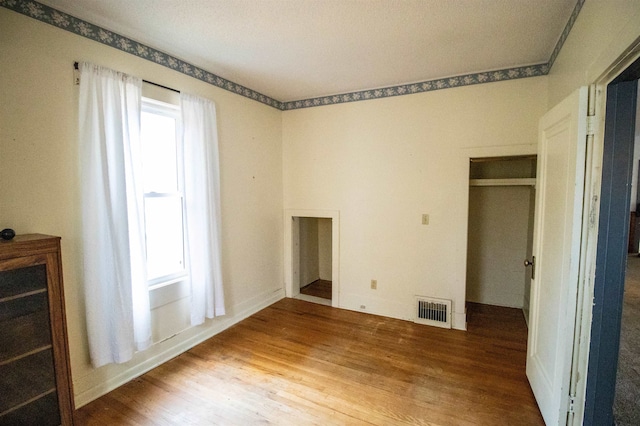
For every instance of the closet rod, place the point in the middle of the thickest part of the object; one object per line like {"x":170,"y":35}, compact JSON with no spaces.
{"x":75,"y":66}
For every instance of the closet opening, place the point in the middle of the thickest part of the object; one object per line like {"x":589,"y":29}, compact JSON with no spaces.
{"x":314,"y":259}
{"x":311,"y":256}
{"x":500,"y":236}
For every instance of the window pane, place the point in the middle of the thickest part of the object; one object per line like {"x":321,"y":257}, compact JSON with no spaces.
{"x":163,"y":217}
{"x":159,"y":162}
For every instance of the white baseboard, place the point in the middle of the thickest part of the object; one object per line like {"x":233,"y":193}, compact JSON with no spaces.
{"x":459,"y":321}
{"x":86,"y":392}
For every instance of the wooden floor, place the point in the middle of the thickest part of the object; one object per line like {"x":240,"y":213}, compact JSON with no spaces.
{"x":318,"y":288}
{"x":626,"y":406}
{"x":299,"y":363}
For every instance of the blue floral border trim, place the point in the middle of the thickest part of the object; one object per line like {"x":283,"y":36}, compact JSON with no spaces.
{"x":445,"y":83}
{"x":565,"y":32}
{"x":82,"y":28}
{"x":424,"y":86}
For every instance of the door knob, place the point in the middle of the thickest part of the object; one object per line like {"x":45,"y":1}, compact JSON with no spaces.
{"x":531,"y":263}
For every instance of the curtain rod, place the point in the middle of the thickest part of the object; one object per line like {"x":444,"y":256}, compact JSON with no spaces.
{"x":75,"y":66}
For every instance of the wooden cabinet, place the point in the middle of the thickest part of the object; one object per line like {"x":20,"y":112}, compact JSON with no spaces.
{"x":35,"y":379}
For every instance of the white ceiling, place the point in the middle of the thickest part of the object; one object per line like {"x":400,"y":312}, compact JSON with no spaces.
{"x":299,"y":49}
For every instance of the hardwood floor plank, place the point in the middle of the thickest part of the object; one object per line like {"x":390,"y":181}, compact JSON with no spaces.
{"x":318,"y":288}
{"x":301,"y":363}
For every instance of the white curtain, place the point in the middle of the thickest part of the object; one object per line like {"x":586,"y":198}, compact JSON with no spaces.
{"x":202,"y":206}
{"x":116,"y":293}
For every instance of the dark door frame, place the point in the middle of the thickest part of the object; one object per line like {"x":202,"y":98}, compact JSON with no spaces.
{"x":611,"y":255}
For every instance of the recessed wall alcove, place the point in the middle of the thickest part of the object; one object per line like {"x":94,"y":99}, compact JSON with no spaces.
{"x":303,"y":229}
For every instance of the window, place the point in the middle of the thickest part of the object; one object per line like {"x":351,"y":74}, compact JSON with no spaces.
{"x":163,"y":187}
{"x":177,"y":189}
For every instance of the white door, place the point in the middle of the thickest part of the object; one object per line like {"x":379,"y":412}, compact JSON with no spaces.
{"x":562,"y":149}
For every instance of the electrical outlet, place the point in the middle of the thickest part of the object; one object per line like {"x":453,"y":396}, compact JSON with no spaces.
{"x":363,"y":307}
{"x":425,"y":219}
{"x":374,"y":284}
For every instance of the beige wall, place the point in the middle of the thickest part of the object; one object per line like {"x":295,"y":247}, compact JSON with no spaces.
{"x":324,"y":248}
{"x":497,"y":245}
{"x":315,"y":249}
{"x":39,"y":185}
{"x":383,"y":163}
{"x":603,"y":31}
{"x":309,"y":265}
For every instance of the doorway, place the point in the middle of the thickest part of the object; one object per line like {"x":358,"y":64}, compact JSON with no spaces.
{"x":315,"y":277}
{"x":311,"y":255}
{"x":611,"y":261}
{"x":500,"y":231}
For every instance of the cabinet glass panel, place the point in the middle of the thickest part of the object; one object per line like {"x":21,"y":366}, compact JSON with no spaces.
{"x":41,"y":412}
{"x":31,"y":393}
{"x":26,"y":379}
{"x":22,"y":280}
{"x":24,"y":326}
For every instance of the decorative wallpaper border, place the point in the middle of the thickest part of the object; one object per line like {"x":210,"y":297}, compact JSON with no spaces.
{"x":565,"y":32}
{"x":424,"y":86}
{"x":447,"y":82}
{"x":82,"y":28}
{"x":49,"y":15}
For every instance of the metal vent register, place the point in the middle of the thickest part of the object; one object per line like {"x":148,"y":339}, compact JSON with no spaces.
{"x":436,"y":312}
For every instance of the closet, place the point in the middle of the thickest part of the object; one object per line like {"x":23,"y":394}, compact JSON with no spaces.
{"x":500,"y":230}
{"x":315,"y":255}
{"x":35,"y":382}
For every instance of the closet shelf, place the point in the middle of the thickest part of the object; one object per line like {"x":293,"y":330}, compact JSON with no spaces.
{"x":503,"y":182}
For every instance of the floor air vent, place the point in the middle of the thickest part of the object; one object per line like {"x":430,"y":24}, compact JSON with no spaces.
{"x":435,"y":312}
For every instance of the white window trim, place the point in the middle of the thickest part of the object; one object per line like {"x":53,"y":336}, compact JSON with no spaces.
{"x":155,"y":106}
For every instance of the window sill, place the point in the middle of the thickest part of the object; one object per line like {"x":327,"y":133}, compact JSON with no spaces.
{"x":167,"y":282}
{"x":168,"y":292}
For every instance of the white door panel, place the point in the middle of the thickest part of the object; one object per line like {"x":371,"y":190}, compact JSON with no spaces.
{"x":556,"y":247}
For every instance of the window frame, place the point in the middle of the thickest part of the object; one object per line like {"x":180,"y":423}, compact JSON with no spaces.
{"x":153,"y":106}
